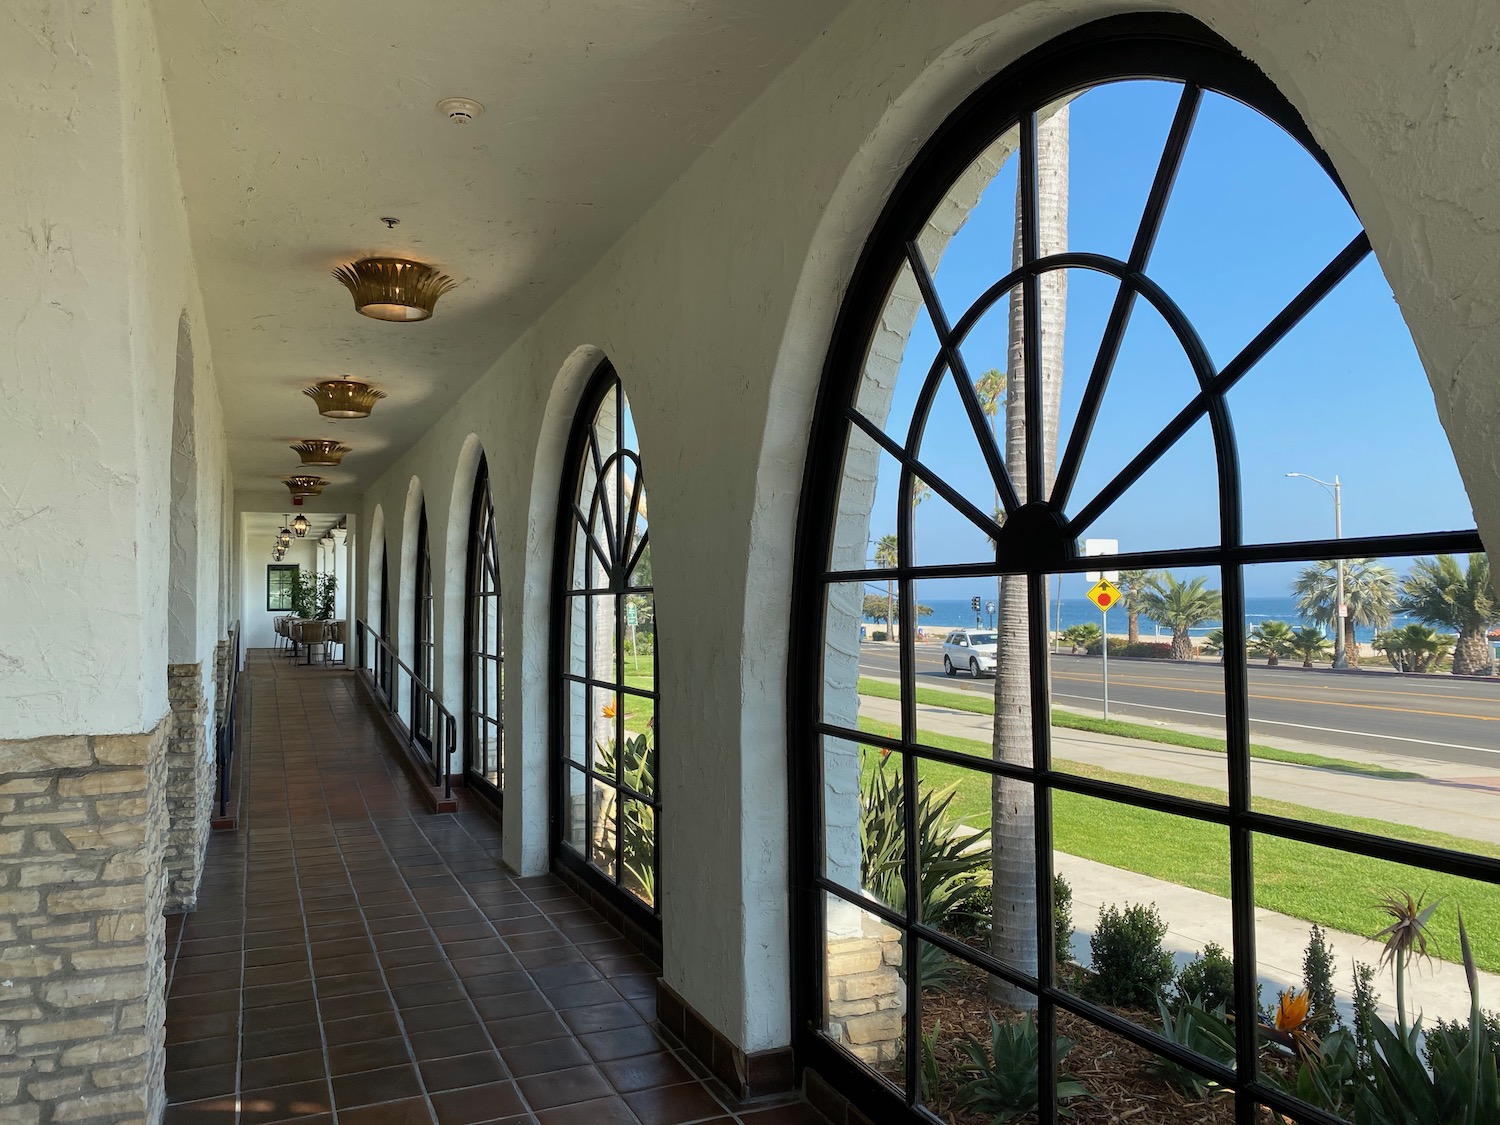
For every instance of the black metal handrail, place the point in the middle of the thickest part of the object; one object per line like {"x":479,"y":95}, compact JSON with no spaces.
{"x":224,"y":731}
{"x":440,"y":750}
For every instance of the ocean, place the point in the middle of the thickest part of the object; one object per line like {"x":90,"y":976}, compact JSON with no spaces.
{"x":949,"y":613}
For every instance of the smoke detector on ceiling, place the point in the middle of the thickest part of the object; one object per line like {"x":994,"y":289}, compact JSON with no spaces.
{"x":460,"y":111}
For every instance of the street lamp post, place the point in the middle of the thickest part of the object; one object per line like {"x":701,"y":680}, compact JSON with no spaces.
{"x":1341,"y":612}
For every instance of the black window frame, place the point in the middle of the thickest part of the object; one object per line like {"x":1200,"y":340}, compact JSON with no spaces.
{"x":1036,"y":544}
{"x":422,"y":650}
{"x":581,"y":452}
{"x":481,"y":658}
{"x":384,"y":664}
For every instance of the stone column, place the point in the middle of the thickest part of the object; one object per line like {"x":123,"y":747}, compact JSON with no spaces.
{"x":82,"y":939}
{"x":190,"y":786}
{"x":866,"y":995}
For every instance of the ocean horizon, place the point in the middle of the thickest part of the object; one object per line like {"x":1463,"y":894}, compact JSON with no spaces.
{"x":954,"y":613}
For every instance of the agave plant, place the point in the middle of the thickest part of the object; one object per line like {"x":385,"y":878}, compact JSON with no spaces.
{"x":1001,"y":1079}
{"x":951,"y":859}
{"x":1198,"y":1028}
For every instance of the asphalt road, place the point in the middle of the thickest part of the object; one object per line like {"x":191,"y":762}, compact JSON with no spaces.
{"x":1429,"y":716}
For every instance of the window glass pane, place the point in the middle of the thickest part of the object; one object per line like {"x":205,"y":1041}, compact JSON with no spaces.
{"x":1146,"y":893}
{"x":638,"y":838}
{"x":865,"y":523}
{"x":978,"y":214}
{"x":1143,"y":716}
{"x":1253,"y":219}
{"x":864,"y":1007}
{"x":861,"y":664}
{"x":1398,"y":753}
{"x":903,"y":346}
{"x":603,"y":824}
{"x":864,"y":822}
{"x":1363,"y":400}
{"x":576,"y":811}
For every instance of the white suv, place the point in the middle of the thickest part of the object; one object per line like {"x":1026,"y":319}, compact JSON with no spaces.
{"x":969,"y":648}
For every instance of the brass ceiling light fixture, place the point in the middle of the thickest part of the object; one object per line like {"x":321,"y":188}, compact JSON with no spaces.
{"x":300,"y":526}
{"x":344,"y":398}
{"x":320,"y":451}
{"x":394,"y":289}
{"x":284,"y":536}
{"x":301,"y":486}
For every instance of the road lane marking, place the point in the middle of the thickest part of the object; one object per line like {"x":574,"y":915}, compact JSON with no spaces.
{"x":1299,"y":726}
{"x":1298,"y":699}
{"x":1166,"y":685}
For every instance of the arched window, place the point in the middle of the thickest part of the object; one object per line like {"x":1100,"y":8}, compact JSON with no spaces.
{"x":421,"y":631}
{"x":1117,"y":300}
{"x":605,"y":703}
{"x":484,"y":682}
{"x":383,"y":663}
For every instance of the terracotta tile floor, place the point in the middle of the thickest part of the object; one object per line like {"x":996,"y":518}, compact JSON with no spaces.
{"x":354,"y":959}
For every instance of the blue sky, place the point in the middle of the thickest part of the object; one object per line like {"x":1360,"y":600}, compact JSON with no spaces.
{"x":1252,"y":220}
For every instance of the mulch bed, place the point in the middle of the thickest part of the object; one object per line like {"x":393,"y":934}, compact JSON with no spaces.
{"x":1117,"y":1073}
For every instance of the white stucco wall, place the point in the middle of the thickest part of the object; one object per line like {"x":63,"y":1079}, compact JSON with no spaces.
{"x":716,"y":310}
{"x":98,"y":273}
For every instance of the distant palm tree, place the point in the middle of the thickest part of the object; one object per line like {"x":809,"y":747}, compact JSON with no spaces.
{"x":1309,"y":643}
{"x":1180,"y":606}
{"x":886,"y":555}
{"x":1133,"y":584}
{"x":1213,"y":643}
{"x":1273,"y":640}
{"x":1413,"y":648}
{"x":1369,"y":594}
{"x":1440,"y":593}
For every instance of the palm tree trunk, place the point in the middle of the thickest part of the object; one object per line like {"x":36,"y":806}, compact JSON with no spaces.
{"x":1471,"y":655}
{"x":1013,"y":937}
{"x":1351,"y":646}
{"x":1132,"y":627}
{"x":1182,"y":644}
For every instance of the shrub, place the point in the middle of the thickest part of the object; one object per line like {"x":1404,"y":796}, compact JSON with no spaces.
{"x":879,"y":635}
{"x":1208,"y":980}
{"x":1454,"y":1035}
{"x":1366,"y":1013}
{"x":1130,"y":966}
{"x":1118,"y":646}
{"x":1317,"y":977}
{"x":1062,"y":917}
{"x":1087,"y":635}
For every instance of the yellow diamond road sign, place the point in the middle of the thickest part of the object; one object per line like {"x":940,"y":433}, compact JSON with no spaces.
{"x":1104,"y":593}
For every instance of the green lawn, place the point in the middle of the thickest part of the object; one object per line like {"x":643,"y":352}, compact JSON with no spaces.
{"x":985,"y":705}
{"x":1334,"y":889}
{"x":640,"y":673}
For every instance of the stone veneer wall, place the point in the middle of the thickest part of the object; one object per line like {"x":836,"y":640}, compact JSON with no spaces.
{"x":190,"y":786}
{"x":82,"y":938}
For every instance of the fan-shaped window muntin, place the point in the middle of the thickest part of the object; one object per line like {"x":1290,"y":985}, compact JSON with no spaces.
{"x":606,"y":760}
{"x":484,"y":685}
{"x":1032,"y":543}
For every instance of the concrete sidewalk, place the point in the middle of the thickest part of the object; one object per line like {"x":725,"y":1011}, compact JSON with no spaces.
{"x":1461,"y":800}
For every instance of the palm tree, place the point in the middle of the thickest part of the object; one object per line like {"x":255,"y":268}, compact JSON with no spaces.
{"x":1438,"y":592}
{"x":1013,"y":931}
{"x":1180,"y":606}
{"x":1309,"y":643}
{"x":1273,"y":640}
{"x":886,"y":554}
{"x":1133,"y":585}
{"x":1369,"y":594}
{"x":1413,"y":648}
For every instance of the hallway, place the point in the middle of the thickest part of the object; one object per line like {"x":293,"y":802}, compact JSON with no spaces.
{"x":356,"y":960}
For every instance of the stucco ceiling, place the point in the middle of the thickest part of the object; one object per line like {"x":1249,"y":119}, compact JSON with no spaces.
{"x":300,"y":125}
